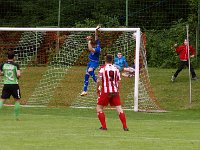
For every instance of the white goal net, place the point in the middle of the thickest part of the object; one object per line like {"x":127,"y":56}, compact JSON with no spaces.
{"x":53,"y":63}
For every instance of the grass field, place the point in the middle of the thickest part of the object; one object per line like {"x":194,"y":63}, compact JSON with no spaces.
{"x":68,"y":128}
{"x":175,"y":96}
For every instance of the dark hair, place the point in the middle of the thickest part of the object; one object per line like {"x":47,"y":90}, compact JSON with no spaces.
{"x":109,"y":58}
{"x":11,"y":54}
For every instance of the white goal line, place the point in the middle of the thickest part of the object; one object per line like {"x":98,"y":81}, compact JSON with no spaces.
{"x":68,"y":29}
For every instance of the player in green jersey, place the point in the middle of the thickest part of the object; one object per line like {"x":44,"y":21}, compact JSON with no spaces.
{"x":11,"y":73}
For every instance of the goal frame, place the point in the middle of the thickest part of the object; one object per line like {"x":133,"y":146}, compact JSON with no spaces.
{"x":137,"y":49}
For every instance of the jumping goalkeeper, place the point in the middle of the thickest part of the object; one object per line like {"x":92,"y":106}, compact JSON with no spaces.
{"x":94,"y":49}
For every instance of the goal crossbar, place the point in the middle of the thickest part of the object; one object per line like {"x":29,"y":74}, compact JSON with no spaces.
{"x":68,"y":29}
{"x":137,"y":48}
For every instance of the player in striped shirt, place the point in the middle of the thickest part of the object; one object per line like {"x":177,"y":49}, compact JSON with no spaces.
{"x":108,"y":80}
{"x":95,"y":49}
{"x":11,"y":72}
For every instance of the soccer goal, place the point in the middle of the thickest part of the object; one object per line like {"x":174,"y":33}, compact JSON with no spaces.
{"x":53,"y":63}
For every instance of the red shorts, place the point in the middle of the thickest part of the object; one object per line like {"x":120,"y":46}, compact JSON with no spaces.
{"x":109,"y":98}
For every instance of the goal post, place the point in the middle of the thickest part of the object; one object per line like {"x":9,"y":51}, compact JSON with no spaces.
{"x":36,"y":47}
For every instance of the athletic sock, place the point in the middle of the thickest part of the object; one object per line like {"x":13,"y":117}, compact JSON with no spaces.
{"x":102,"y":119}
{"x":1,"y":104}
{"x":122,"y":117}
{"x":93,"y":76}
{"x":16,"y":109}
{"x":86,"y":81}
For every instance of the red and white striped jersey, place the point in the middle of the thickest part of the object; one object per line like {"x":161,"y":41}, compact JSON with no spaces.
{"x":110,"y":76}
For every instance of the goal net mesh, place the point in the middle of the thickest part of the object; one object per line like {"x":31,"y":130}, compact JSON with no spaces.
{"x":53,"y":65}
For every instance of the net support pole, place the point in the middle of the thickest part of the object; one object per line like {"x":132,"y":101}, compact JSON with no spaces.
{"x":188,"y":50}
{"x":58,"y":33}
{"x":137,"y":55}
{"x":126,"y":13}
{"x":36,"y":53}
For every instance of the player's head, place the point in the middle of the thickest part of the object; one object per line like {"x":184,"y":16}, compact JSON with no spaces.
{"x":91,"y":38}
{"x":11,"y":54}
{"x":185,"y":41}
{"x":119,"y":54}
{"x":109,"y":58}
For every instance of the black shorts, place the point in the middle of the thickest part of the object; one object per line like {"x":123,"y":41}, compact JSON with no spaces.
{"x":11,"y":89}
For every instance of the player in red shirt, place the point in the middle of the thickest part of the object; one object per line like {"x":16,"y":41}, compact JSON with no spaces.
{"x":182,"y":51}
{"x":108,"y":80}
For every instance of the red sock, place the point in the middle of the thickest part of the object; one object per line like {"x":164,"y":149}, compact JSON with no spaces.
{"x":122,"y":117}
{"x":102,"y":119}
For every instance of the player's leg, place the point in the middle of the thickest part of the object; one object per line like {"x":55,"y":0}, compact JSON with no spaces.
{"x":92,"y":74}
{"x":194,"y":77}
{"x":180,"y":68}
{"x":101,"y":102}
{"x":17,"y":108}
{"x":5,"y":95}
{"x":16,"y":94}
{"x":86,"y":81}
{"x":128,"y":72}
{"x":122,"y":117}
{"x":129,"y":69}
{"x":115,"y":101}
{"x":1,"y":103}
{"x":101,"y":117}
{"x":91,"y":70}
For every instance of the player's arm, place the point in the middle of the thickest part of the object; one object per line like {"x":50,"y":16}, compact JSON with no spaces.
{"x":1,"y":70}
{"x":18,"y":72}
{"x":178,"y":49}
{"x":125,"y":63}
{"x":118,"y":78}
{"x":192,"y":51}
{"x":99,"y":81}
{"x":96,"y":33}
{"x":1,"y":73}
{"x":90,"y":48}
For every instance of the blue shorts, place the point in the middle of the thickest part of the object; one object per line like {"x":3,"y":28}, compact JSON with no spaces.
{"x":92,"y":64}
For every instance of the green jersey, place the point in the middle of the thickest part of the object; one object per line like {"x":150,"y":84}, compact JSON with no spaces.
{"x":9,"y":70}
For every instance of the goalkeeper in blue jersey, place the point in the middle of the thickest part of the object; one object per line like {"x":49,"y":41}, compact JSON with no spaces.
{"x":11,"y":72}
{"x":94,"y":49}
{"x":121,"y":63}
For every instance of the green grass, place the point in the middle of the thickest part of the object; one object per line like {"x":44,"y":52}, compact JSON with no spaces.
{"x":67,"y":128}
{"x":175,"y":96}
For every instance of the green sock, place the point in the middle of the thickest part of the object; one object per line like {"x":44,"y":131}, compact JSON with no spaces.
{"x":1,"y":104}
{"x":16,"y":109}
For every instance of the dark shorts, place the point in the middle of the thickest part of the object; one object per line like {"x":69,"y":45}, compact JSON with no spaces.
{"x":11,"y":89}
{"x":109,"y":98}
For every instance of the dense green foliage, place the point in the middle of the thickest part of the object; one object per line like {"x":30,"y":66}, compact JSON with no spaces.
{"x":164,"y":21}
{"x":160,"y":46}
{"x":147,"y":14}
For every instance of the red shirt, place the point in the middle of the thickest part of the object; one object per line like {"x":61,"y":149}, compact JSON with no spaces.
{"x":110,"y":78}
{"x":183,"y":51}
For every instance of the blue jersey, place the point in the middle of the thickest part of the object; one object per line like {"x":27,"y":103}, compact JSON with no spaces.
{"x":121,"y":62}
{"x":94,"y":56}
